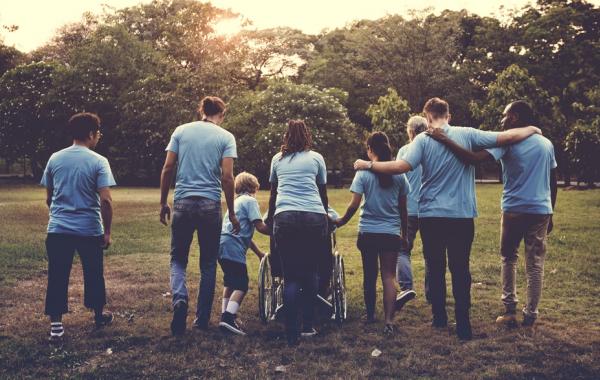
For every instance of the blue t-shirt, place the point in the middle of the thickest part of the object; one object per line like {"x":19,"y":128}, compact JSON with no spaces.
{"x":75,"y":174}
{"x":414,"y":178}
{"x":526,"y":169}
{"x":447,"y":184}
{"x":234,"y":247}
{"x":200,"y":147}
{"x":297,"y":176}
{"x":379,"y":211}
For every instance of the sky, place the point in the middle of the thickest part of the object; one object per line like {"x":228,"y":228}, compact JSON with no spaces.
{"x":38,"y":20}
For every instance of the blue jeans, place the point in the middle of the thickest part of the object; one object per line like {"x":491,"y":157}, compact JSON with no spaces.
{"x":299,"y":238}
{"x":201,"y":215}
{"x":403,"y":266}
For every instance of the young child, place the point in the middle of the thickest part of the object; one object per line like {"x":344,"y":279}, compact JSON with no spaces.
{"x":232,"y":253}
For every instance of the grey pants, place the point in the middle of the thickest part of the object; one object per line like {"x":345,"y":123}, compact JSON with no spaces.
{"x":533,"y":229}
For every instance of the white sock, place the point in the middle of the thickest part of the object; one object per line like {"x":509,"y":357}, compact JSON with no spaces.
{"x":224,"y":305}
{"x":56,"y":329}
{"x":233,"y":307}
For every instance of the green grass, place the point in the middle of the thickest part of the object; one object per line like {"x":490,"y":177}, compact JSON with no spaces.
{"x":565,"y":343}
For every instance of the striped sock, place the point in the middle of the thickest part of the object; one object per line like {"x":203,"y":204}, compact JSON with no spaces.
{"x":56,"y":329}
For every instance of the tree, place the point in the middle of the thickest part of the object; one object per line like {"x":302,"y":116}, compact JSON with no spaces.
{"x":583,"y":147}
{"x":390,"y":115}
{"x":259,"y":119}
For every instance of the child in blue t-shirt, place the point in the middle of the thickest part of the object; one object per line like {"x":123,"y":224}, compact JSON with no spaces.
{"x":232,"y":252}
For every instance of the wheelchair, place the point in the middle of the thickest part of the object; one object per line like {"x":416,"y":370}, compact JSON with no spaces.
{"x":270,"y":286}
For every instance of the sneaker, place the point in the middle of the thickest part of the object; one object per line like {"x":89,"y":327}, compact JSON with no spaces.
{"x":507,"y":319}
{"x":388,"y":329}
{"x":57,"y":332}
{"x":309,"y":333}
{"x":104,"y":320}
{"x":179,"y":316}
{"x":528,"y":321}
{"x":463,"y":326}
{"x":228,"y":324}
{"x":404,"y":297}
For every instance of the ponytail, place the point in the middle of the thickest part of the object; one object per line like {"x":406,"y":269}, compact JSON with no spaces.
{"x":379,"y":144}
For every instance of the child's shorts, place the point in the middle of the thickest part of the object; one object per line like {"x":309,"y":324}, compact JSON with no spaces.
{"x":235,"y":275}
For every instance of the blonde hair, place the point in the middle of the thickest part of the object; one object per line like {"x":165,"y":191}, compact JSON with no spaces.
{"x":246,"y":183}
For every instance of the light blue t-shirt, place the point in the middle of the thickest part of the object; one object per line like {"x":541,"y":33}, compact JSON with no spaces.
{"x":234,"y":247}
{"x":297,"y":176}
{"x":414,"y":178}
{"x":447,"y":184}
{"x":526,"y":169}
{"x":379,"y":211}
{"x":200,"y":147}
{"x":75,"y":174}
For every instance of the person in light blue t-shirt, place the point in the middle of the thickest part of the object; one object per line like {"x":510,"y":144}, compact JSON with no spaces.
{"x":232,"y":252}
{"x":77,"y":182}
{"x":203,"y":154}
{"x":381,"y":227}
{"x":447,"y":206}
{"x":528,"y":199}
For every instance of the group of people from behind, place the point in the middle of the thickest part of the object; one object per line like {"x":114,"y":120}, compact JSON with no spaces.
{"x":436,"y":196}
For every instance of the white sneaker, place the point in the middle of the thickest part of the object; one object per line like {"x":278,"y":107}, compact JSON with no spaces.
{"x":308,"y":334}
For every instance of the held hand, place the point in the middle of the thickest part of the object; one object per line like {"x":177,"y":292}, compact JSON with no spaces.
{"x":535,"y":130}
{"x":338,"y":222}
{"x":235,"y":223}
{"x":550,"y":225}
{"x":165,"y":214}
{"x":437,"y":134}
{"x":107,"y":241}
{"x":361,"y":165}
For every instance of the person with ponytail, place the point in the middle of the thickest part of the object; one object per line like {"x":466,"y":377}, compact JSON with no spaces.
{"x":298,"y":213}
{"x":381,"y":227}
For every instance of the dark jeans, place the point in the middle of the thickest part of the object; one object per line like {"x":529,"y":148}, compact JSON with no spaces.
{"x":299,"y":240}
{"x":61,"y":249}
{"x":451,"y":236}
{"x":203,"y":216}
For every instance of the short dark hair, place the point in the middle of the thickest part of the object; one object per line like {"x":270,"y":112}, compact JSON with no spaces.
{"x":81,"y":124}
{"x":211,"y":105}
{"x":437,"y":108}
{"x":523,"y":111}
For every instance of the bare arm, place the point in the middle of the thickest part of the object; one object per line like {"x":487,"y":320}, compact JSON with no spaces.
{"x":323,"y":195}
{"x":262,"y":227}
{"x":386,"y":167}
{"x":553,"y":195}
{"x":166,"y":178}
{"x":260,"y":254}
{"x":49,"y":196}
{"x":351,"y":210}
{"x":107,"y":213}
{"x":272,"y":202}
{"x":403,"y":216}
{"x":227,"y":183}
{"x":465,"y":155}
{"x":516,"y":134}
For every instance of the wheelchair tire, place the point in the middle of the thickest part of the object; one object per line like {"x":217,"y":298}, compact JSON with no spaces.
{"x":266,"y":292}
{"x":339,"y":290}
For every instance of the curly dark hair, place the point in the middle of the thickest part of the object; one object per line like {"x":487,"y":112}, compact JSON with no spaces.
{"x":297,"y":138}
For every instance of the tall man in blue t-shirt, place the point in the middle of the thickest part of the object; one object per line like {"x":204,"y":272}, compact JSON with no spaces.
{"x":203,"y":153}
{"x":78,"y":182}
{"x":528,"y":199}
{"x":447,"y":206}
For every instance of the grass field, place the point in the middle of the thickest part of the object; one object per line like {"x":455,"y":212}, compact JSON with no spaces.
{"x":564,"y":344}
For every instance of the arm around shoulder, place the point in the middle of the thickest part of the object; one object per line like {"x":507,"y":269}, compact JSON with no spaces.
{"x":515,"y":135}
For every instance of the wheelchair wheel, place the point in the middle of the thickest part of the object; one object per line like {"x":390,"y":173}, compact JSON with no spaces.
{"x":339,"y":290}
{"x":266,"y":292}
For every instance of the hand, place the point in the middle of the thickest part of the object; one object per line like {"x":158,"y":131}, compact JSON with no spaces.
{"x":550,"y":225}
{"x":107,"y":241}
{"x":339,"y":222}
{"x":535,"y":130}
{"x":235,"y":223}
{"x":165,"y":214}
{"x":437,"y":134}
{"x":261,"y":255}
{"x":361,"y":165}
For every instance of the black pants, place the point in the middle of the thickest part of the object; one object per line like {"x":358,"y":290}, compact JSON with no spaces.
{"x":61,"y":249}
{"x":454,"y":237}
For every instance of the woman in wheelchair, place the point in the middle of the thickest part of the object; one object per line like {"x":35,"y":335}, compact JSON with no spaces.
{"x":297,"y":208}
{"x":381,"y":227}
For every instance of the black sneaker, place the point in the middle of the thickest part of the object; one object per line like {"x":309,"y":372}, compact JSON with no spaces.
{"x":228,"y":324}
{"x":104,"y":320}
{"x":404,"y":297}
{"x":528,"y":321}
{"x":463,"y":326}
{"x":179,"y":316}
{"x":388,"y":329}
